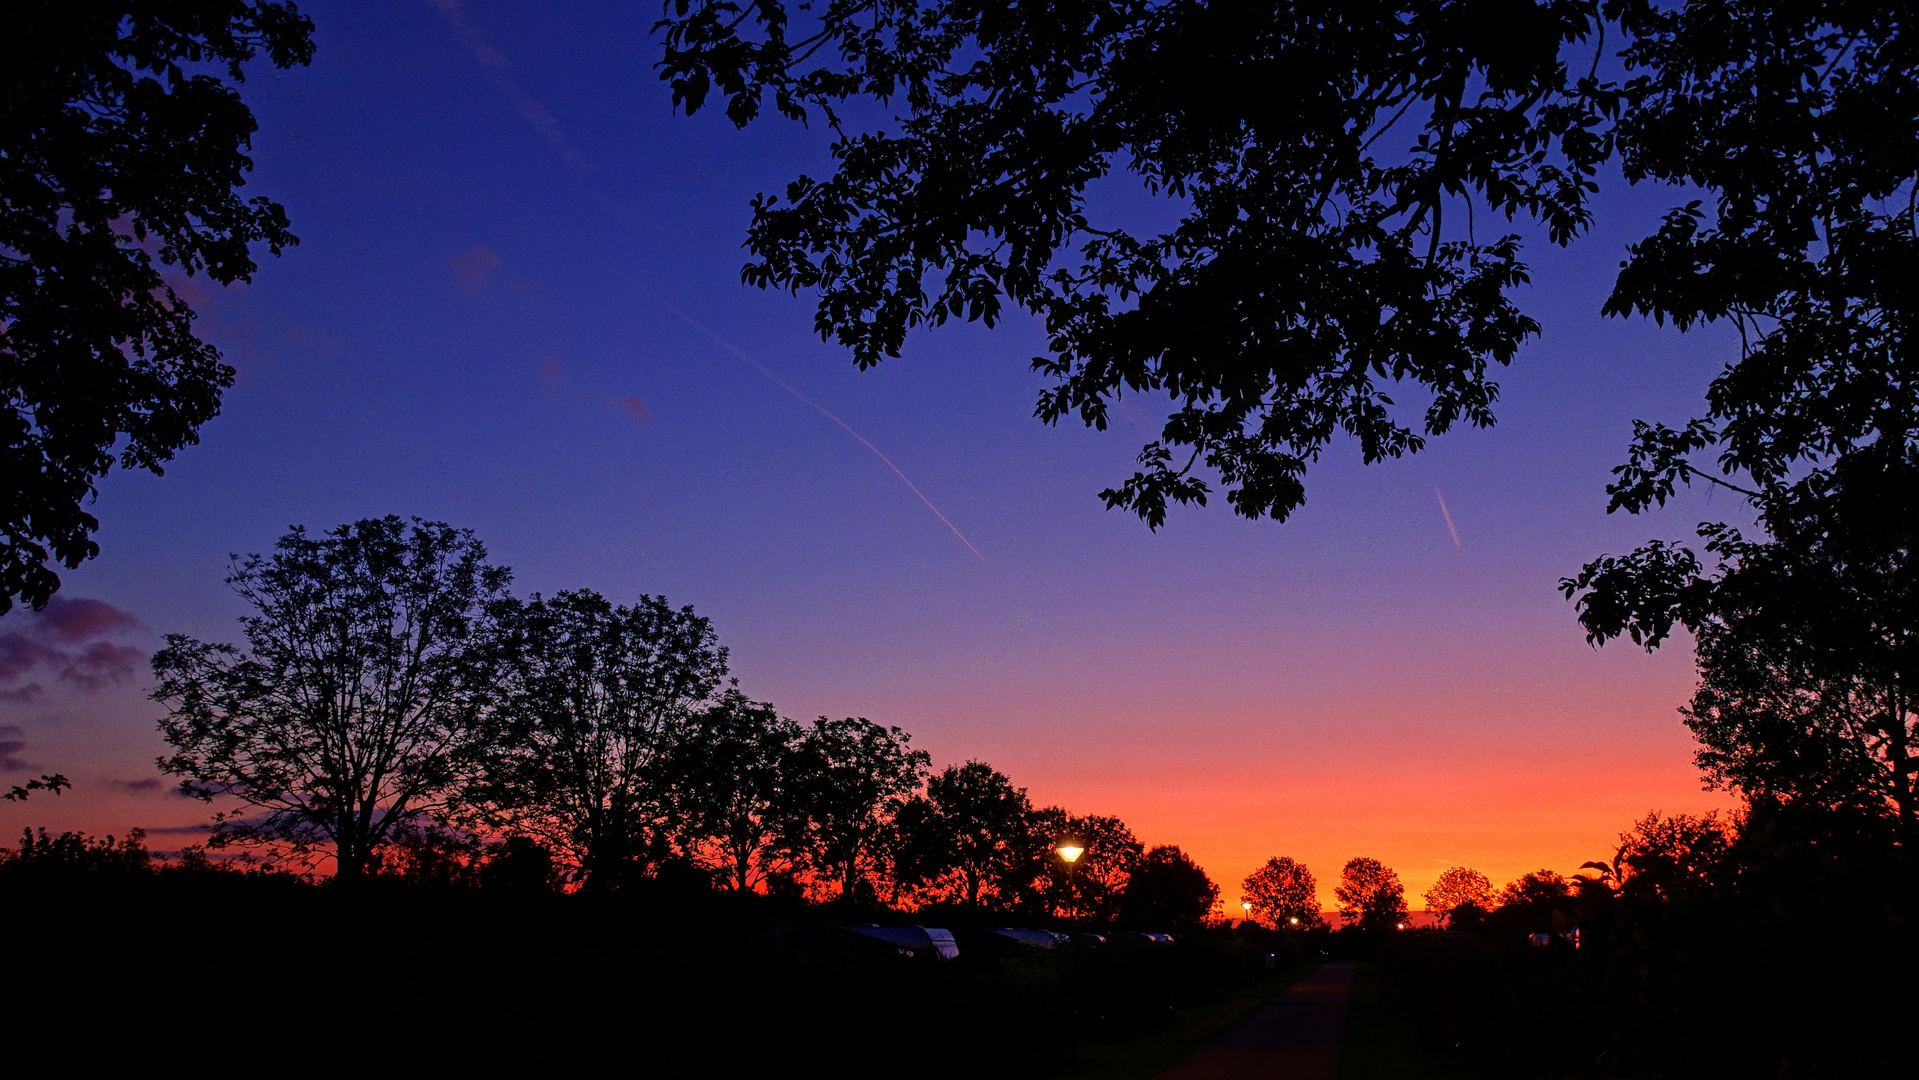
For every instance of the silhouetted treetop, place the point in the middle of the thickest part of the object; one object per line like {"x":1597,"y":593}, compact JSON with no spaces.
{"x":735,"y":773}
{"x":1282,"y":890}
{"x":849,"y":778}
{"x":1801,"y":124}
{"x":1323,"y":168}
{"x":964,"y":838}
{"x":1167,"y":890}
{"x":1340,"y":174}
{"x":72,"y":855}
{"x":363,"y":700}
{"x":1459,"y":887}
{"x":122,"y":145}
{"x":1370,"y":895}
{"x":599,"y":699}
{"x":1664,"y":857}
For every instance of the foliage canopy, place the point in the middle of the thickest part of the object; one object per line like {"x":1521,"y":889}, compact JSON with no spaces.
{"x":600,"y":698}
{"x":1457,"y":888}
{"x":1324,"y":172}
{"x":1281,"y":890}
{"x":122,"y":145}
{"x":363,"y":702}
{"x":1370,"y":895}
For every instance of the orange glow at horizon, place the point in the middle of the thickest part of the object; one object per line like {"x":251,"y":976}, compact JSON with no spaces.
{"x":1417,"y":823}
{"x":1539,"y":761}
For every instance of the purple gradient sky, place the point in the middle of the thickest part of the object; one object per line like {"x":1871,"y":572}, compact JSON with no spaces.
{"x":459,"y":337}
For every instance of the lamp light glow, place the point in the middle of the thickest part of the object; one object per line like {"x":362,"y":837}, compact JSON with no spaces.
{"x":1070,"y":851}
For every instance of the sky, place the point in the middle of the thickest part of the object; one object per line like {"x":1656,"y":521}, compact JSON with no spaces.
{"x":516,"y":307}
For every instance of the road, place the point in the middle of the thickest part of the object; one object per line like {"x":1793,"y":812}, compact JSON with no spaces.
{"x":1295,"y":1036}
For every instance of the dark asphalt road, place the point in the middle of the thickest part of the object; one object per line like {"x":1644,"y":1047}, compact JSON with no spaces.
{"x":1295,"y":1036}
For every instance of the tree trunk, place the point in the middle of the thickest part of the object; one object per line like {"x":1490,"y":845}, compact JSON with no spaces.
{"x":349,"y":859}
{"x":349,"y":850}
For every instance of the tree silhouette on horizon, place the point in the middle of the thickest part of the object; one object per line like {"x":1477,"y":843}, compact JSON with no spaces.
{"x":364,"y":700}
{"x":1370,"y":895}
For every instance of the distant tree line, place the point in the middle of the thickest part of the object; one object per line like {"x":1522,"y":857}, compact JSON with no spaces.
{"x":396,"y":709}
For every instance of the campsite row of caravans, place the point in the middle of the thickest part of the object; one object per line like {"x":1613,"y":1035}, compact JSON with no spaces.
{"x":936,"y":941}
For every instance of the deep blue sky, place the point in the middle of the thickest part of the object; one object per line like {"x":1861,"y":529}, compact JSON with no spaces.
{"x":454,"y":339}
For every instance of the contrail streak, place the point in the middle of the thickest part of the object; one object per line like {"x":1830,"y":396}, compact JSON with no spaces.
{"x":1457,"y":546}
{"x":791,"y":389}
{"x":495,"y":64}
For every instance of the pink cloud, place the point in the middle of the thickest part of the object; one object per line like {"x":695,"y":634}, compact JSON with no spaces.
{"x":84,"y":618}
{"x":554,"y":381}
{"x":10,"y":747}
{"x":477,"y":267}
{"x":66,"y":642}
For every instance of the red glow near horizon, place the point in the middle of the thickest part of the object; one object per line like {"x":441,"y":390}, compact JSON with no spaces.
{"x":1354,"y":681}
{"x":1456,"y":766}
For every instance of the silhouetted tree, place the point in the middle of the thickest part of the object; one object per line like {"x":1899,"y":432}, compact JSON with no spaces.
{"x":734,"y":773}
{"x":1536,"y":903}
{"x":1327,"y":169}
{"x":1780,"y":726}
{"x":849,"y":778}
{"x":1283,"y":890}
{"x":1370,"y":895}
{"x":363,"y":701}
{"x":601,"y":695}
{"x":1538,"y":887}
{"x":1314,"y":262}
{"x":1796,"y":124}
{"x":1664,"y":857}
{"x":1319,"y":166}
{"x":963,"y":837}
{"x":1167,"y":890}
{"x":1459,"y":888}
{"x":1042,"y":884}
{"x":123,"y":148}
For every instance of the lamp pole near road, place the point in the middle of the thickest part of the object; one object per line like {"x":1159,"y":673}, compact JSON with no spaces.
{"x":1069,"y":852}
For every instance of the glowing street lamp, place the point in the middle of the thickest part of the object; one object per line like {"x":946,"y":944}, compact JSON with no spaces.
{"x":1069,"y":852}
{"x":1292,"y":920}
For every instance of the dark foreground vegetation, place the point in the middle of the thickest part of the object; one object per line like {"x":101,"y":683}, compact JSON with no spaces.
{"x":114,"y":958}
{"x":1332,"y":158}
{"x":1780,"y":948}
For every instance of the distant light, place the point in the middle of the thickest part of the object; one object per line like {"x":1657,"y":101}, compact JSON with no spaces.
{"x":1402,"y":926}
{"x":1247,"y":904}
{"x":1070,"y":852}
{"x":1293,"y":920}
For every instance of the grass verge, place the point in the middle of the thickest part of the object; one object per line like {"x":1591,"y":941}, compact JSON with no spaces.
{"x":1381,"y":1042}
{"x":1148,"y":1055}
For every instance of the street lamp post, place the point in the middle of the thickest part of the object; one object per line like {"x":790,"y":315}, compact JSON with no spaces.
{"x":1069,"y":852}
